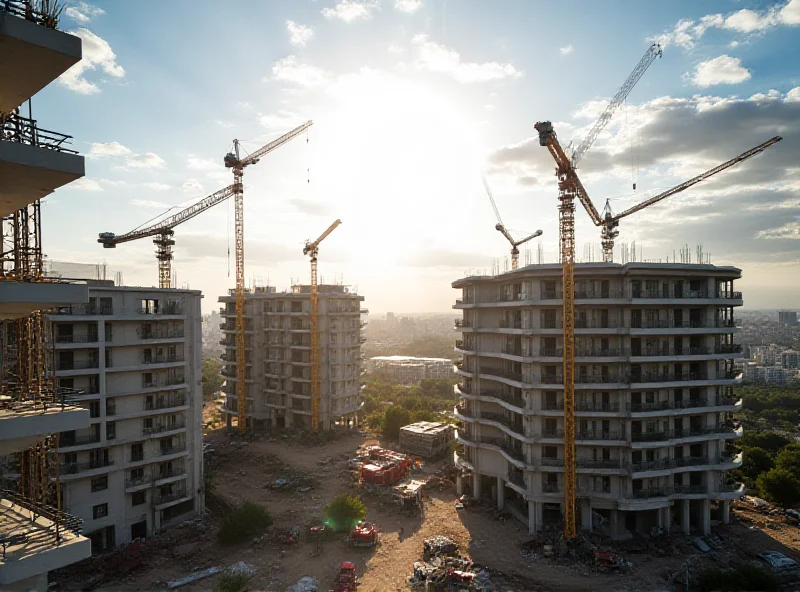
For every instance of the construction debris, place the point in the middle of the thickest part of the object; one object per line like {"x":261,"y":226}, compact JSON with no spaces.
{"x":426,"y":439}
{"x":304,"y":584}
{"x":437,"y":546}
{"x":194,"y":577}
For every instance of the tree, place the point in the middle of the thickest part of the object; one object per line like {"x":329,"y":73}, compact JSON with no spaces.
{"x":755,"y":461}
{"x":212,"y":377}
{"x":789,"y":459}
{"x":243,"y":523}
{"x":769,"y":441}
{"x":344,"y":512}
{"x":396,"y":417}
{"x":780,"y":486}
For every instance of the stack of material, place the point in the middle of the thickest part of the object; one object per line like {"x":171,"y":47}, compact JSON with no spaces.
{"x":446,"y":573}
{"x":426,"y":439}
{"x":438,"y":545}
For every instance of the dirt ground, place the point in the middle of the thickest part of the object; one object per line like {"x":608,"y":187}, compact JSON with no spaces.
{"x":241,"y":473}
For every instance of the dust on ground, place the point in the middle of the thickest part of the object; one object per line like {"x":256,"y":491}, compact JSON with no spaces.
{"x":312,"y":476}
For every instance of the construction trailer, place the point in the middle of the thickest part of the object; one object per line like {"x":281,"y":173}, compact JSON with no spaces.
{"x":426,"y":438}
{"x":408,"y":494}
{"x":384,"y":467}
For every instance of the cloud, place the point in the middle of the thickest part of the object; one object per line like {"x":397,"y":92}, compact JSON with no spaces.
{"x":686,"y":32}
{"x":82,"y":12}
{"x":85,"y":184}
{"x":197,"y":163}
{"x":311,"y":208}
{"x":787,"y":231}
{"x":442,"y":258}
{"x":299,"y":34}
{"x":101,"y":150}
{"x":721,"y":70}
{"x":288,"y":69}
{"x":148,"y":160}
{"x":199,"y":247}
{"x":97,"y":53}
{"x":192,"y":186}
{"x":434,"y":57}
{"x":409,"y":6}
{"x":351,"y":10}
{"x":396,"y":49}
{"x":225,"y":124}
{"x":280,"y":120}
{"x":566,"y":50}
{"x":146,"y":203}
{"x":155,"y":186}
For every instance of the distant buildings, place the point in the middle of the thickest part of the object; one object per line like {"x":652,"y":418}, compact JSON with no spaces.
{"x":771,"y":364}
{"x":409,"y":369}
{"x":787,"y":317}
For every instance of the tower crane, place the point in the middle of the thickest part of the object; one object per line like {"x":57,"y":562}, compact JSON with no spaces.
{"x":610,"y":222}
{"x":500,"y":227}
{"x":164,"y":232}
{"x":569,"y":185}
{"x":312,"y":250}
{"x":233,"y":161}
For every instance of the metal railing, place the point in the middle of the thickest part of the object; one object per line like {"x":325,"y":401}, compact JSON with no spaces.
{"x":679,"y":433}
{"x":164,"y":403}
{"x":64,"y":442}
{"x":75,"y":467}
{"x":170,"y":309}
{"x":596,"y":324}
{"x":165,"y":499}
{"x":592,"y":407}
{"x":158,"y":429}
{"x":650,"y":493}
{"x":599,"y":463}
{"x":21,"y":130}
{"x":57,"y":517}
{"x":507,"y":324}
{"x":165,"y":450}
{"x":137,"y":481}
{"x":160,"y":334}
{"x":658,"y":377}
{"x":551,"y":488}
{"x":600,"y":435}
{"x":162,"y":382}
{"x":25,"y":9}
{"x":671,"y":351}
{"x":91,"y":338}
{"x":77,"y":364}
{"x":84,"y":310}
{"x":162,"y":359}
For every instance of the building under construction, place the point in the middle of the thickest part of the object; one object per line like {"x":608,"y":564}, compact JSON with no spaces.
{"x":654,"y":380}
{"x":279,"y":356}
{"x":426,"y":438}
{"x":37,"y":536}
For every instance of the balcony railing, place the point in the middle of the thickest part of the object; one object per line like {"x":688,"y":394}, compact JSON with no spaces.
{"x":599,"y":463}
{"x":509,"y":324}
{"x":91,"y":338}
{"x":159,"y":334}
{"x":667,"y":377}
{"x":730,"y":295}
{"x":64,"y":442}
{"x":515,"y":400}
{"x":600,"y":435}
{"x":672,"y":351}
{"x":596,"y":324}
{"x":610,"y":352}
{"x":162,"y":359}
{"x":728,"y":348}
{"x":77,"y":364}
{"x":551,"y":488}
{"x":552,"y":433}
{"x":599,"y":407}
{"x":164,"y":403}
{"x":169,"y":309}
{"x":137,"y":481}
{"x":60,"y":519}
{"x":74,"y":468}
{"x":21,"y":130}
{"x":84,"y":310}
{"x":168,"y":474}
{"x":163,"y":382}
{"x":165,"y":450}
{"x":679,"y":433}
{"x":165,"y":499}
{"x":650,"y":493}
{"x":688,"y":489}
{"x":158,"y":429}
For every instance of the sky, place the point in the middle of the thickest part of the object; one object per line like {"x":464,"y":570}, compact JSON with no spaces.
{"x":411,"y":102}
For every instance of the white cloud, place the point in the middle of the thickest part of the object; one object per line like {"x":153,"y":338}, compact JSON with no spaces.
{"x":225,"y":124}
{"x":434,"y":57}
{"x":288,"y":69}
{"x":746,"y":21}
{"x":351,"y":10}
{"x":97,"y":53}
{"x":790,"y":230}
{"x":200,"y":164}
{"x":101,"y":150}
{"x":147,"y":203}
{"x":155,"y":186}
{"x":85,"y":184}
{"x":396,"y":49}
{"x":148,"y":160}
{"x":721,"y":70}
{"x":82,"y":12}
{"x":192,"y":186}
{"x":733,"y":44}
{"x":566,"y":50}
{"x":793,"y":96}
{"x":281,"y":120}
{"x":409,"y":6}
{"x":299,"y":34}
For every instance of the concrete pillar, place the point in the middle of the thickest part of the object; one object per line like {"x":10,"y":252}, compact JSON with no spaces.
{"x":614,"y":524}
{"x":586,"y":515}
{"x":459,"y":485}
{"x":287,"y":419}
{"x":476,"y":485}
{"x":685,"y":516}
{"x":501,"y":493}
{"x":664,"y":519}
{"x":705,"y":517}
{"x":534,"y":517}
{"x":726,"y":512}
{"x":228,"y":422}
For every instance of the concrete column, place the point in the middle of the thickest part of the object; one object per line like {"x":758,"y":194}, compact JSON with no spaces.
{"x":685,"y":516}
{"x":228,"y":422}
{"x":705,"y":517}
{"x":501,"y":493}
{"x":476,"y":485}
{"x":274,"y":420}
{"x":613,"y":524}
{"x":726,"y":512}
{"x":287,"y":419}
{"x":664,"y":519}
{"x":459,"y":484}
{"x":534,"y":517}
{"x":586,"y":515}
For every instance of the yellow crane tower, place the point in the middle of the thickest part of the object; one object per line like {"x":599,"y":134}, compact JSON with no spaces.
{"x":500,"y":227}
{"x":312,"y":250}
{"x":233,"y":161}
{"x":570,"y":186}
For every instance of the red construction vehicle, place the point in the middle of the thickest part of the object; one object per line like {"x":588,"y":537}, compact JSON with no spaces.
{"x":365,"y":534}
{"x":345,"y":580}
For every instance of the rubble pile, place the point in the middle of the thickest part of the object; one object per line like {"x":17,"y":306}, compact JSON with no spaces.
{"x":293,"y":482}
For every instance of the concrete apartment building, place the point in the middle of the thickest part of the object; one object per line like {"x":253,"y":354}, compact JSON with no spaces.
{"x":135,"y":356}
{"x":410,"y":369}
{"x":38,"y":536}
{"x":278,"y":342}
{"x":653,"y":394}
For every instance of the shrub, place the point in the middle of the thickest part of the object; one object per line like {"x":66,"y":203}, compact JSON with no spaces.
{"x":232,"y":582}
{"x":344,"y":512}
{"x":780,"y":486}
{"x":243,"y":523}
{"x":742,"y":578}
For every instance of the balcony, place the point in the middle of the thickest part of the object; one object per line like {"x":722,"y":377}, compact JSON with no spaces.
{"x":138,"y":481}
{"x":676,"y":434}
{"x":509,"y":324}
{"x":163,"y":359}
{"x":672,"y":352}
{"x":164,"y":403}
{"x":75,"y":468}
{"x":595,"y":324}
{"x":159,"y":334}
{"x":551,"y":488}
{"x":650,"y":493}
{"x":596,"y":407}
{"x":65,"y":442}
{"x":65,"y":365}
{"x":669,"y":377}
{"x":159,"y":429}
{"x":89,"y":338}
{"x":160,"y":500}
{"x":171,"y":308}
{"x":162,"y":383}
{"x":591,"y":435}
{"x":167,"y":450}
{"x":611,"y":352}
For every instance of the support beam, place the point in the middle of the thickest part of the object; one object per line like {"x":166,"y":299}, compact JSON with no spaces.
{"x":686,"y":516}
{"x":501,"y":493}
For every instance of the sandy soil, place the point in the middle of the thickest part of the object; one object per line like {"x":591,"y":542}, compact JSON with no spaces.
{"x":241,"y":473}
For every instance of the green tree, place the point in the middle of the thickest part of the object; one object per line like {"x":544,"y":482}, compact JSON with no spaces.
{"x":780,"y":486}
{"x":344,"y":512}
{"x":772,"y":442}
{"x":789,"y":459}
{"x":755,"y":461}
{"x":394,"y":419}
{"x":212,"y":377}
{"x":243,"y":523}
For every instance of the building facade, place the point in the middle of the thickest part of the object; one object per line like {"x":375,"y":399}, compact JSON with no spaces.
{"x":410,"y":369}
{"x":654,"y":383}
{"x":787,"y":317}
{"x":134,"y":354}
{"x":278,"y":342}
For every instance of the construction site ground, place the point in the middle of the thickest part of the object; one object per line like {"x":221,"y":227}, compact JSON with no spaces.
{"x":245,"y":473}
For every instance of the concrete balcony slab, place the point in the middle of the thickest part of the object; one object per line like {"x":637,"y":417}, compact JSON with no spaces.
{"x":22,"y":426}
{"x":29,"y":172}
{"x":31,"y":57}
{"x":19,"y":299}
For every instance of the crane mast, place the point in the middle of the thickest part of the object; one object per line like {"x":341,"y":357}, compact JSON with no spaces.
{"x":500,"y":227}
{"x":610,"y":222}
{"x":569,"y":187}
{"x":237,"y":164}
{"x":312,"y":250}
